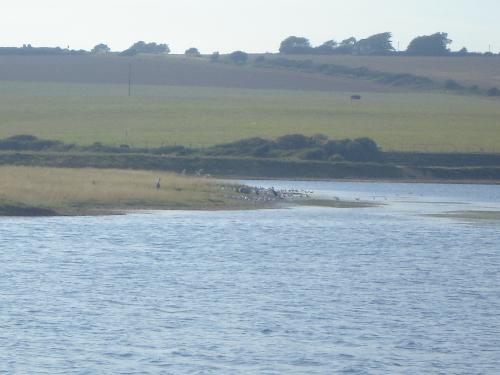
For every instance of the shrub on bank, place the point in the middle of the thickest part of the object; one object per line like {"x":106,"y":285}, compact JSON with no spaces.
{"x":294,"y":146}
{"x":493,"y":92}
{"x":30,"y":143}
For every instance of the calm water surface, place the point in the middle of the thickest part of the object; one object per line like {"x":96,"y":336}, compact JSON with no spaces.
{"x":293,"y":291}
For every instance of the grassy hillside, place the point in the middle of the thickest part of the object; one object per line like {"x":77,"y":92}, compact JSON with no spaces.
{"x":167,"y":70}
{"x":481,"y":71}
{"x":182,"y":71}
{"x":190,"y":101}
{"x":198,"y":116}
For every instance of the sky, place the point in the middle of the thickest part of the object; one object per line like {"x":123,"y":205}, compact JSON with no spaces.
{"x":249,"y":25}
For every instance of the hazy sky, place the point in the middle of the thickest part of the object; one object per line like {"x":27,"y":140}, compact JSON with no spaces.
{"x":251,"y":25}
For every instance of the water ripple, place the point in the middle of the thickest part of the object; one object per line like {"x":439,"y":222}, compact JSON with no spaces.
{"x":302,"y":291}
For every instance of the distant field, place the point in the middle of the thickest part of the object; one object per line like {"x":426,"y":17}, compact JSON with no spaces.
{"x":481,"y":71}
{"x":198,"y":116}
{"x":169,"y":70}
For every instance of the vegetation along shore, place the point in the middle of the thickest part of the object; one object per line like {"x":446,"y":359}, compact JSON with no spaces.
{"x":29,"y":191}
{"x":292,"y":156}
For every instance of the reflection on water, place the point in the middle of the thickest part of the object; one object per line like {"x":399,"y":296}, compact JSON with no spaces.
{"x":292,"y":291}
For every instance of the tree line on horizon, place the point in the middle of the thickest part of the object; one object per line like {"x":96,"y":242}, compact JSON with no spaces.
{"x":377,"y":45}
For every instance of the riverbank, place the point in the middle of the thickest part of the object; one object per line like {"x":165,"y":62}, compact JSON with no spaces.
{"x":31,"y":191}
{"x":256,"y":168}
{"x":373,"y":180}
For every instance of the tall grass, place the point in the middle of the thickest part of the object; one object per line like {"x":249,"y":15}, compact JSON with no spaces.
{"x":71,"y":190}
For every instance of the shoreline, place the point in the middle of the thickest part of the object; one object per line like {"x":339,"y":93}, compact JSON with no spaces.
{"x":56,"y":192}
{"x":436,"y":181}
{"x":23,"y":211}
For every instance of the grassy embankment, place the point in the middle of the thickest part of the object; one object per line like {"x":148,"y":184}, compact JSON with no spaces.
{"x":28,"y":191}
{"x":237,"y":167}
{"x":199,"y":117}
{"x":231,"y":167}
{"x":395,"y":73}
{"x":480,"y":71}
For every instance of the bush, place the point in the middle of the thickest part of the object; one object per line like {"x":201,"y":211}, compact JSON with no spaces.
{"x":493,"y":92}
{"x":319,"y":139}
{"x":239,"y":57}
{"x":192,"y":52}
{"x":335,"y":147}
{"x":296,"y":46}
{"x":22,"y":138}
{"x":29,"y":143}
{"x":453,"y":85}
{"x":361,"y":149}
{"x":257,"y":147}
{"x":166,"y":150}
{"x":292,"y":146}
{"x":262,"y":151}
{"x":314,"y":154}
{"x":293,"y":142}
{"x":142,"y":47}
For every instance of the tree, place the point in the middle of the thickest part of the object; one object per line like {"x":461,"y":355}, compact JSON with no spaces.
{"x":361,"y":149}
{"x":378,"y":44}
{"x":100,"y":49}
{"x":193,"y":52}
{"x":326,"y":48}
{"x":430,"y":45}
{"x":346,"y":47}
{"x":142,"y":47}
{"x":349,"y":41}
{"x":239,"y":57}
{"x":296,"y":45}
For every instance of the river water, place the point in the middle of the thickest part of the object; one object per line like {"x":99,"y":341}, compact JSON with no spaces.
{"x":290,"y":291}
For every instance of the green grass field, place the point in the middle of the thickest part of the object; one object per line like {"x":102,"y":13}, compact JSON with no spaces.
{"x":195,"y":116}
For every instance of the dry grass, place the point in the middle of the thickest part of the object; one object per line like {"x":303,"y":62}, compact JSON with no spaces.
{"x":73,"y":191}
